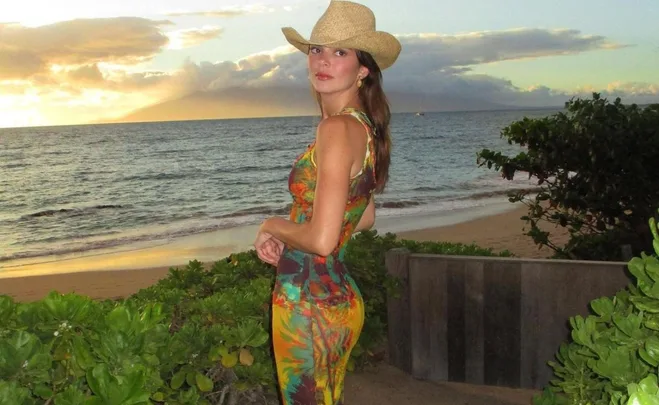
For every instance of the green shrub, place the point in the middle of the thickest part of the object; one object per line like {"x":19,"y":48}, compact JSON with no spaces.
{"x":592,"y":164}
{"x":613,"y":356}
{"x":198,"y":336}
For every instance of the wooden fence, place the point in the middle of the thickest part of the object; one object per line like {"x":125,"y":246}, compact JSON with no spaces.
{"x":489,"y":320}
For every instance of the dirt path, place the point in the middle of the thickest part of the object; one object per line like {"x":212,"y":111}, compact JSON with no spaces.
{"x":390,"y":386}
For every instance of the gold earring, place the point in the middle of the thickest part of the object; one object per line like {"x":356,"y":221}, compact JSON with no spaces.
{"x":359,"y":82}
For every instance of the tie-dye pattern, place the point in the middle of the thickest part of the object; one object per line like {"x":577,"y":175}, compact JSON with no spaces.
{"x":318,"y":311}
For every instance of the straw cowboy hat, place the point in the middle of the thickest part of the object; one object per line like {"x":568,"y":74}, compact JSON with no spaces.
{"x":348,"y":25}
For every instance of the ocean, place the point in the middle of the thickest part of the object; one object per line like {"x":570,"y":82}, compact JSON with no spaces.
{"x":76,"y":189}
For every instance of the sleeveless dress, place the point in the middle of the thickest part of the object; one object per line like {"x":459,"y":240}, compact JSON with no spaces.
{"x":318,"y":310}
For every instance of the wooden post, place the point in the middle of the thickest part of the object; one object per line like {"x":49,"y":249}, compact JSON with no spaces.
{"x":398,"y":311}
{"x":428,"y":304}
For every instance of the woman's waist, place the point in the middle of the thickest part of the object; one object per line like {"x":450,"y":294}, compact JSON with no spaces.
{"x":307,"y":287}
{"x":337,"y":256}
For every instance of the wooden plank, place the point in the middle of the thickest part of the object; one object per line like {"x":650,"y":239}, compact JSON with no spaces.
{"x":455,"y":307}
{"x":398,"y":311}
{"x":536,"y":308}
{"x":566,"y":290}
{"x":428,"y":304}
{"x":502,"y":281}
{"x":474,"y":330}
{"x":562,"y":295}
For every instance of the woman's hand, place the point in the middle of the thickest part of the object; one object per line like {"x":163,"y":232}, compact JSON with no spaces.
{"x":268,"y":248}
{"x":270,"y":251}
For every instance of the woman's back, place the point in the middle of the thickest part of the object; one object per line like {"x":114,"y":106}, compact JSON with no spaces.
{"x":302,"y":185}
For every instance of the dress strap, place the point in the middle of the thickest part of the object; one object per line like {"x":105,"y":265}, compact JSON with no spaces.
{"x":361,"y":116}
{"x":370,"y":132}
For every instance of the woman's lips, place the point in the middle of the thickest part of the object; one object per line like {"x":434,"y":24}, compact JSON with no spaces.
{"x":323,"y":76}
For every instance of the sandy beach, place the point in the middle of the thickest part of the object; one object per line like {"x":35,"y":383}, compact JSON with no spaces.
{"x":120,"y":273}
{"x":503,"y":231}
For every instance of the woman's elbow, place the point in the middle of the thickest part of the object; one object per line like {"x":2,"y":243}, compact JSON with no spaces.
{"x":326,"y":244}
{"x":325,"y":249}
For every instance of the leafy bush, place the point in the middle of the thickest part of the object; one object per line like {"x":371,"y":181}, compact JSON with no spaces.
{"x":198,"y":336}
{"x":592,"y":164}
{"x":613,"y":357}
{"x":65,"y":347}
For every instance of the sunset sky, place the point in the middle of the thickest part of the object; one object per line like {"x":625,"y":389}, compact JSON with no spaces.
{"x":84,"y":61}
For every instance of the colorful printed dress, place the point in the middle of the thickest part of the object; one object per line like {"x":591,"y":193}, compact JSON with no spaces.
{"x":318,"y":311}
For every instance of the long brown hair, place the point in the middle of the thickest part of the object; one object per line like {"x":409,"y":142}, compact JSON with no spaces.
{"x":376,"y":107}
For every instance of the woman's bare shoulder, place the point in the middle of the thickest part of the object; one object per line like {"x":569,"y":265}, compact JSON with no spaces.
{"x":342,"y":128}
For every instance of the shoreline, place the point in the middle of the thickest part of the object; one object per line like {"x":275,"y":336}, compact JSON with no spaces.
{"x":18,"y":249}
{"x":216,"y":245}
{"x":120,"y":274}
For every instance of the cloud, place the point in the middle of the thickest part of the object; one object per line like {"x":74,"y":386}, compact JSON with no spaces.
{"x":193,"y":36}
{"x":18,"y":64}
{"x":90,"y":74}
{"x":68,"y":58}
{"x":424,"y":53}
{"x":26,"y":51}
{"x":225,"y":12}
{"x":99,"y":63}
{"x":93,"y":52}
{"x":218,"y":13}
{"x":14,"y":87}
{"x":429,"y":63}
{"x":633,"y":88}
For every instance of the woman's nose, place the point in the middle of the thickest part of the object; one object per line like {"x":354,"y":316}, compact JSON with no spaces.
{"x":323,"y":58}
{"x":324,"y":62}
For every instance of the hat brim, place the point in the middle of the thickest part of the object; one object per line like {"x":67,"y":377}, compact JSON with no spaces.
{"x":383,"y":46}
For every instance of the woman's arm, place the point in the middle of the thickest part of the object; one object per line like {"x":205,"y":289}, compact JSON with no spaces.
{"x":368,"y":217}
{"x":334,"y":161}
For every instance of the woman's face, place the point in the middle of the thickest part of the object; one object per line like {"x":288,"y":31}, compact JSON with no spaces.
{"x":334,"y":70}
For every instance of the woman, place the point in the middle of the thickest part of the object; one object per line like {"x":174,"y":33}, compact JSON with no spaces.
{"x":318,"y":311}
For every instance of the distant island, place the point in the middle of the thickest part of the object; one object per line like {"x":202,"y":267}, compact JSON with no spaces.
{"x":243,"y":103}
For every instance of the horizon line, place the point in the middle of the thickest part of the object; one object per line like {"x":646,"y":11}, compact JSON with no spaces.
{"x":118,"y":122}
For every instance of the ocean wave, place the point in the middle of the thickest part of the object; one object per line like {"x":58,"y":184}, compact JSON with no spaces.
{"x":14,"y":166}
{"x":499,"y":193}
{"x":432,"y":199}
{"x":283,"y":148}
{"x":69,"y":211}
{"x":398,"y":204}
{"x":257,"y":169}
{"x":91,"y":245}
{"x":157,"y":177}
{"x":251,"y":181}
{"x":264,"y":210}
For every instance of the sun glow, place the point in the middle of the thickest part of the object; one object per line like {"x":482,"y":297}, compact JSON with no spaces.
{"x":11,"y":118}
{"x":18,"y":110}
